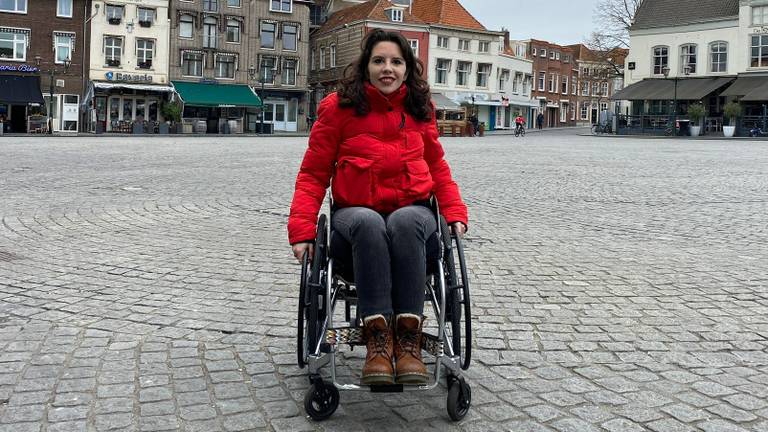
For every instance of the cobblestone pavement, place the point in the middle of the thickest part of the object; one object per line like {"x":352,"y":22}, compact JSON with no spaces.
{"x":618,"y":285}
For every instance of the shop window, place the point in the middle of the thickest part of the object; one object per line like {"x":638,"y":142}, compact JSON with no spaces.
{"x":145,"y":49}
{"x":718,"y":57}
{"x":289,"y":72}
{"x":233,"y":31}
{"x":63,"y":8}
{"x":14,"y":6}
{"x":268,"y":34}
{"x":281,"y":6}
{"x":186,"y":26}
{"x":192,"y":64}
{"x":225,"y":66}
{"x":63,"y":47}
{"x":290,"y":37}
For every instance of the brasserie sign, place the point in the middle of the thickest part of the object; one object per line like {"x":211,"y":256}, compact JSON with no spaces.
{"x":119,"y":76}
{"x":18,"y":68}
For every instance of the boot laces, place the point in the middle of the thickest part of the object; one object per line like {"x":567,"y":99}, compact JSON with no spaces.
{"x":409,"y":343}
{"x":380,"y":340}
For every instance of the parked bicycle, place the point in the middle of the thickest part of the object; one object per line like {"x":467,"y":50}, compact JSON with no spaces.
{"x":598,"y":129}
{"x":757,"y":131}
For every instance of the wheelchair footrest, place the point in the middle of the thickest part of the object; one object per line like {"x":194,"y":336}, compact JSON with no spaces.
{"x":353,"y":336}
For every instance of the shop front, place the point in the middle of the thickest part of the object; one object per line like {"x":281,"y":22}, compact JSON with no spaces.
{"x":282,"y":110}
{"x":215,"y":108}
{"x":22,"y":106}
{"x":123,"y":106}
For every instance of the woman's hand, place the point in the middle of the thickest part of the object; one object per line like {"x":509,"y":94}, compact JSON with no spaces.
{"x":300,"y":248}
{"x":458,"y":228}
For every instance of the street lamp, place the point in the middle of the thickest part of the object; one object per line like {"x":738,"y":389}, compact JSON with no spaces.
{"x":252,"y":72}
{"x":665,"y":71}
{"x":52,"y":73}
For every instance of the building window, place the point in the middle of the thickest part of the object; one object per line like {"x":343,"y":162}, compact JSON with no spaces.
{"x":442,"y":42}
{"x":604,"y":86}
{"x":13,"y":45}
{"x":332,"y":49}
{"x":542,"y":80}
{"x":268,"y":69}
{"x":281,"y":5}
{"x":233,"y":31}
{"x":583,"y":111}
{"x":463,"y":44}
{"x":233,"y":3}
{"x":414,"y":43}
{"x":533,"y":52}
{"x":557,"y":56}
{"x":543,"y":52}
{"x":574,"y":85}
{"x":191,"y":64}
{"x":718,"y":57}
{"x":551,"y":55}
{"x":63,"y":7}
{"x":688,"y":58}
{"x":503,"y":78}
{"x":596,"y":89}
{"x":759,"y":51}
{"x":268,"y":35}
{"x":551,"y":83}
{"x":15,"y":6}
{"x":114,"y":14}
{"x":312,"y":56}
{"x":211,"y":5}
{"x":585,"y":88}
{"x":63,"y":47}
{"x":113,"y":50}
{"x":483,"y":72}
{"x":146,"y":16}
{"x":516,"y":83}
{"x":660,"y":59}
{"x":209,"y":32}
{"x":563,"y":111}
{"x":144,"y":50}
{"x":443,"y":67}
{"x":462,"y":73}
{"x":397,"y":15}
{"x":225,"y":66}
{"x":186,"y":24}
{"x":760,"y":15}
{"x":484,"y":47}
{"x":564,"y":85}
{"x":290,"y":37}
{"x":322,"y":58}
{"x":289,"y":71}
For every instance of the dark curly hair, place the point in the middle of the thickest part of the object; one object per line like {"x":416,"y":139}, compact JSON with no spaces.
{"x":352,"y":93}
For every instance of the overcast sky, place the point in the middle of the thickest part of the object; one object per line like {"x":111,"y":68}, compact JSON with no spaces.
{"x":559,"y":21}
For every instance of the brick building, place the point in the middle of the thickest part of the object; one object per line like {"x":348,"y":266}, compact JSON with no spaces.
{"x":555,"y":82}
{"x":37,"y":40}
{"x":601,"y":74}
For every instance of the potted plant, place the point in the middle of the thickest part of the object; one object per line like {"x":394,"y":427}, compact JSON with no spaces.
{"x":114,"y":20}
{"x":732,"y":111}
{"x":113,"y":62}
{"x":695,"y":113}
{"x":145,"y":23}
{"x":172,"y":112}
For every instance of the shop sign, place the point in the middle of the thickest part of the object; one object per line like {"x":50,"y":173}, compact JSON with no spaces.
{"x":19,"y":68}
{"x":760,"y":30}
{"x":120,"y":76}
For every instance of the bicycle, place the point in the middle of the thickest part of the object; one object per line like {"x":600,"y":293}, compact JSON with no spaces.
{"x":519,"y":131}
{"x":598,"y":129}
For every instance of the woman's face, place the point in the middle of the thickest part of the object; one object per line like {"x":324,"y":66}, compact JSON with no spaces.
{"x":386,"y":68}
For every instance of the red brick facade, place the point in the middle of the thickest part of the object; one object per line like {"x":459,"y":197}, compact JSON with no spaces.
{"x":554,"y":73}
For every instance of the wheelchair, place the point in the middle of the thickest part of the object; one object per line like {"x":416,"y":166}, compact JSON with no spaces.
{"x":327,"y":283}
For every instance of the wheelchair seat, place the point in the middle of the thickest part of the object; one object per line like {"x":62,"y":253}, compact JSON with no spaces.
{"x":341,"y":252}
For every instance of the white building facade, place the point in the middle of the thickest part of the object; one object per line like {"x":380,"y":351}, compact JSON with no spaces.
{"x":129,"y":57}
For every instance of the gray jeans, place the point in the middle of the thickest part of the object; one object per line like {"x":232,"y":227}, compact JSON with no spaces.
{"x":389,"y":255}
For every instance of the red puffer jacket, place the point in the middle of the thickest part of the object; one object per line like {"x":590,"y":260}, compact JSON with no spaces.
{"x":385,"y":160}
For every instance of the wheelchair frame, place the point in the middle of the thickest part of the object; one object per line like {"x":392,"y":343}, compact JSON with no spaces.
{"x":318,"y":340}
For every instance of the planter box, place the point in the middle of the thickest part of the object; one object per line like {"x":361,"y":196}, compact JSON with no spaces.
{"x":145,"y":23}
{"x":115,"y":21}
{"x":145,"y":65}
{"x":113,"y":62}
{"x":728,"y":131}
{"x":695,"y":131}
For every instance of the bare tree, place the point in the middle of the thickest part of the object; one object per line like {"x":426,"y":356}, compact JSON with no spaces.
{"x":613,"y":19}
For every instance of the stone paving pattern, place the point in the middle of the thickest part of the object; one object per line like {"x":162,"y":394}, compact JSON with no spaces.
{"x":618,"y":285}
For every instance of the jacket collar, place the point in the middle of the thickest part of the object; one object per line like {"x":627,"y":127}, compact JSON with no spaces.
{"x":381,"y":102}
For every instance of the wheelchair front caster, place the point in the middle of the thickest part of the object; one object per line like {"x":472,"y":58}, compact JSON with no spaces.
{"x":459,"y":398}
{"x":321,"y":400}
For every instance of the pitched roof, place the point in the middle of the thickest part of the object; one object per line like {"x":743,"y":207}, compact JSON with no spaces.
{"x":372,"y":10}
{"x":671,"y":13}
{"x":446,"y":12}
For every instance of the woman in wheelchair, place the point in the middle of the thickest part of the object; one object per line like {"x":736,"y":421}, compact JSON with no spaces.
{"x":375,"y":142}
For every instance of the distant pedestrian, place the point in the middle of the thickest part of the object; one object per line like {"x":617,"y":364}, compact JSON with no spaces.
{"x":540,"y":121}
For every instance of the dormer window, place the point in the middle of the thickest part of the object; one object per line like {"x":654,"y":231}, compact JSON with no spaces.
{"x":396,"y":15}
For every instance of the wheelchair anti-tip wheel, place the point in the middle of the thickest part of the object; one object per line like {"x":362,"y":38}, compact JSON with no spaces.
{"x":321,"y":400}
{"x":459,"y":398}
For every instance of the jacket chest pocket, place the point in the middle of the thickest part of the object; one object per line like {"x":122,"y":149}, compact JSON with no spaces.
{"x":353,"y":182}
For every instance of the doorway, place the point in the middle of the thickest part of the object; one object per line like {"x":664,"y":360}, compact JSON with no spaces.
{"x":18,"y":118}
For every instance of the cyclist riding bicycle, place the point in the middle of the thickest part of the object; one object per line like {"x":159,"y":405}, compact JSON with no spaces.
{"x":519,"y":122}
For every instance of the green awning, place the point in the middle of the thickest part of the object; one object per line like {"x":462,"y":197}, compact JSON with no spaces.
{"x":216,"y":95}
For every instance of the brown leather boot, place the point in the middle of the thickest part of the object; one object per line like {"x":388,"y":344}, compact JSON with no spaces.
{"x":409,"y":368}
{"x":378,"y":362}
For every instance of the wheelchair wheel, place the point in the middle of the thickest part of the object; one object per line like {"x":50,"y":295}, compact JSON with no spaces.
{"x":312,"y":295}
{"x":459,"y":398}
{"x":457,"y":306}
{"x":463,"y":305}
{"x":321,"y":400}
